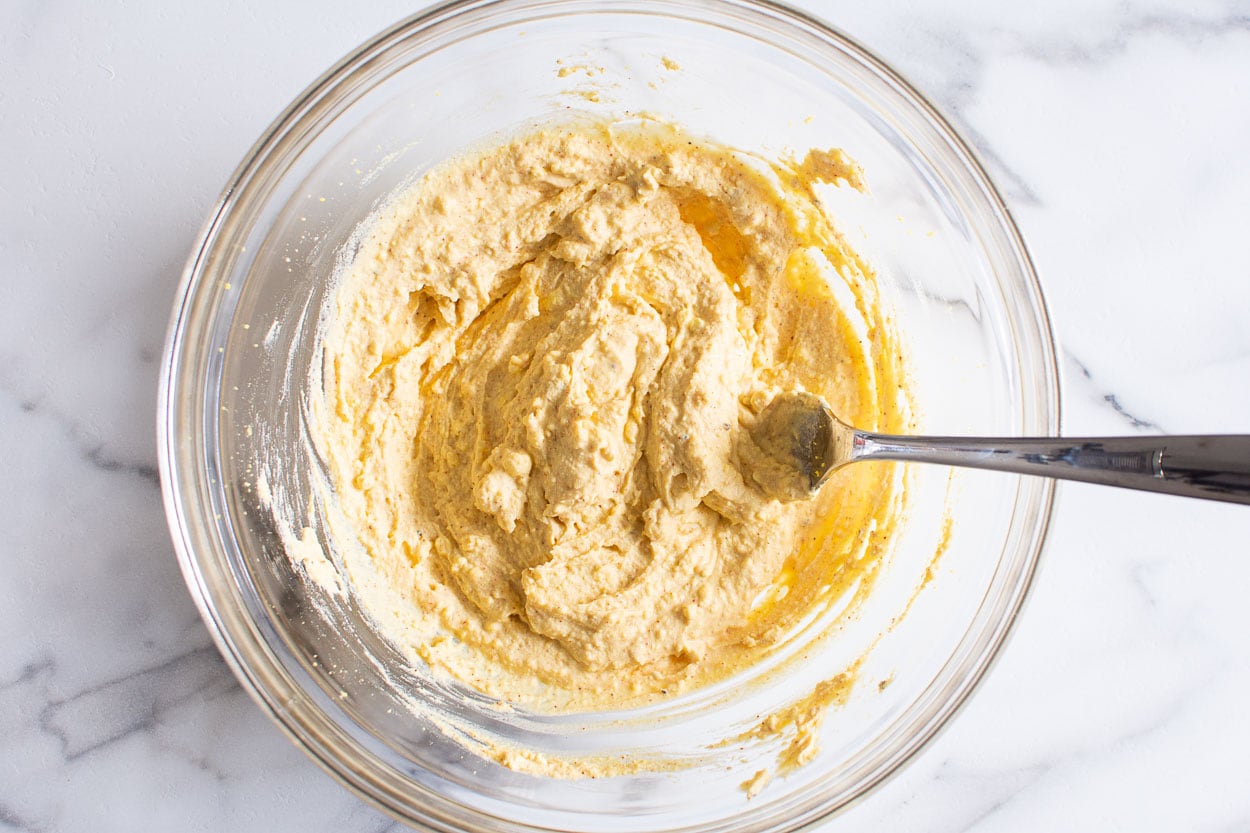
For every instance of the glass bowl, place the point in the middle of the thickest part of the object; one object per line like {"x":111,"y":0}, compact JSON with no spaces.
{"x":236,"y":389}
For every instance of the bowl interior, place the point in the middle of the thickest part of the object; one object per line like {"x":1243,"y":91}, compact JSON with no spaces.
{"x":243,"y":485}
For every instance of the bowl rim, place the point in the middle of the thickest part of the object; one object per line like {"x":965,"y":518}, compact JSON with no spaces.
{"x":239,"y":638}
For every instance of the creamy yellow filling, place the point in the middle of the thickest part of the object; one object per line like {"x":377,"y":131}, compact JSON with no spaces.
{"x":539,"y":379}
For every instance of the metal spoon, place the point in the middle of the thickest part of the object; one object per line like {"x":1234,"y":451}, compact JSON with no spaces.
{"x":803,"y":443}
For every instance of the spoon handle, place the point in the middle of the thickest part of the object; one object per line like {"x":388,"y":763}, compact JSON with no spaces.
{"x":1215,"y":467}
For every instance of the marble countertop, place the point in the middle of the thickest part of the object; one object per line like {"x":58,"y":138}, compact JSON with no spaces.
{"x":1119,"y":134}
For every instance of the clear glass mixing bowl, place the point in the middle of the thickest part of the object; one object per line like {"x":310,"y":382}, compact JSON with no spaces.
{"x":236,"y":387}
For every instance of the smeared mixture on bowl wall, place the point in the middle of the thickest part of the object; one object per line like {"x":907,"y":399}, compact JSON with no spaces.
{"x":539,"y":382}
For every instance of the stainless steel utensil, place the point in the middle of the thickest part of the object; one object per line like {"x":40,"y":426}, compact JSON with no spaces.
{"x":807,"y":442}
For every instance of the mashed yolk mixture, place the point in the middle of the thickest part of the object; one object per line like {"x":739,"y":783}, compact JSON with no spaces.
{"x":539,"y":382}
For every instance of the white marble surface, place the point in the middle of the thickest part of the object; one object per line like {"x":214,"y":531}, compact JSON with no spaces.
{"x":1120,"y":134}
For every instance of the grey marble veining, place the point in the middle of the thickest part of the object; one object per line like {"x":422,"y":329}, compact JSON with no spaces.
{"x":1117,"y":133}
